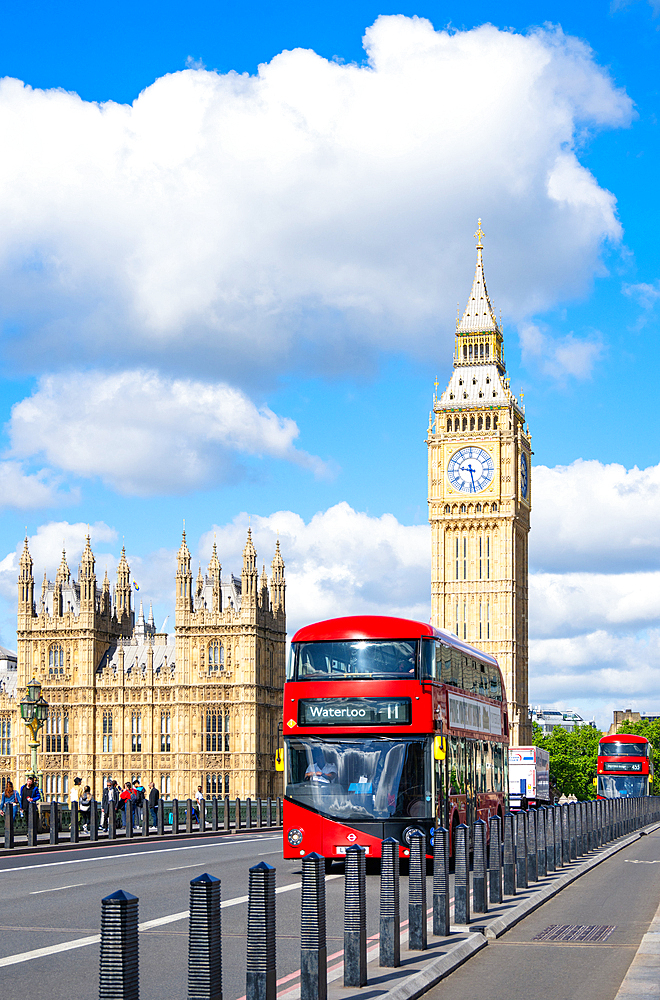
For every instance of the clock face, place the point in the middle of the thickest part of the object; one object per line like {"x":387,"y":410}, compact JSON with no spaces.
{"x":524,"y":475}
{"x":470,"y":470}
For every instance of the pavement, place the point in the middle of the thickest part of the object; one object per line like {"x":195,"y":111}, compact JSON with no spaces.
{"x":50,"y":919}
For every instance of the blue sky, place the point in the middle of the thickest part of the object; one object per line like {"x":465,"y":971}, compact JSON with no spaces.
{"x":231,"y":246}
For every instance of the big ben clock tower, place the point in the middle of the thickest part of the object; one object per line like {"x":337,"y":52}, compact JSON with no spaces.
{"x":480,"y":501}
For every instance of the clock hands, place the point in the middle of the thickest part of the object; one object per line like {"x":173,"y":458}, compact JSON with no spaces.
{"x":468,"y":468}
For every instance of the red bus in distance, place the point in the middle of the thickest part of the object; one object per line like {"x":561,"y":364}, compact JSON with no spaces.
{"x":625,"y":766}
{"x":390,"y":726}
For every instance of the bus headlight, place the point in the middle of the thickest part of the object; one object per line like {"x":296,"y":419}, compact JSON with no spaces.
{"x":294,"y":836}
{"x":408,"y":832}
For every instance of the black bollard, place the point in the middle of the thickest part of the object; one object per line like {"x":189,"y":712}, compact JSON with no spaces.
{"x":556,"y":824}
{"x":461,"y":876}
{"x":32,"y":824}
{"x":160,"y":818}
{"x":572,"y":846}
{"x":532,"y":873}
{"x":93,"y":820}
{"x":201,"y":805}
{"x":549,"y":840}
{"x":313,"y":945}
{"x":441,"y":925}
{"x":128,"y":819}
{"x":521,"y":849}
{"x":189,"y":815}
{"x":579,"y":829}
{"x":509,"y":865}
{"x":259,"y":819}
{"x":479,"y":892}
{"x":269,"y":811}
{"x":237,"y":814}
{"x":175,"y":815}
{"x":390,"y":935}
{"x":225,"y":818}
{"x":204,"y":940}
{"x":541,"y":855}
{"x":565,"y":835}
{"x":248,"y":813}
{"x":145,"y":818}
{"x":54,"y":823}
{"x":112,"y":820}
{"x":417,"y":923}
{"x":495,"y":860}
{"x":355,"y":917}
{"x":73,"y":831}
{"x":215,"y":820}
{"x":119,"y":976}
{"x":9,"y":826}
{"x":278,"y":812}
{"x":260,"y":975}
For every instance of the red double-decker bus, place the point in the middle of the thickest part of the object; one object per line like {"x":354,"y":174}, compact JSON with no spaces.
{"x":390,"y":726}
{"x":625,"y":766}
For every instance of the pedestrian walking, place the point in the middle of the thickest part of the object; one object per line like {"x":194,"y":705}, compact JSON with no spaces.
{"x":200,"y":802}
{"x":127,"y":801}
{"x":10,"y":799}
{"x":110,"y":794}
{"x":29,"y":793}
{"x":140,"y":797}
{"x":85,"y":807}
{"x":75,"y":796}
{"x":154,"y":796}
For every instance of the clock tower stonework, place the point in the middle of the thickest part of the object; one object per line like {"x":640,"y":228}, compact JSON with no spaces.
{"x":479,"y":468}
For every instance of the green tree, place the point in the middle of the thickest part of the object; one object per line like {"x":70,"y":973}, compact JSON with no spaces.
{"x":572,"y":758}
{"x":651,"y":730}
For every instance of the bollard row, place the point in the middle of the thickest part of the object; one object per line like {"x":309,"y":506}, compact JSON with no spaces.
{"x":507,"y":855}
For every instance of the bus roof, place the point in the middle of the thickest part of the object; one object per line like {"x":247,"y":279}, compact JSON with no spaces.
{"x":383,"y":627}
{"x":623,"y":738}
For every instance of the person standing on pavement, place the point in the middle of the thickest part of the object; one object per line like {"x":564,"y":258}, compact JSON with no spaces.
{"x":85,"y":807}
{"x":10,"y":799}
{"x":75,"y":796}
{"x":127,"y":797}
{"x":110,"y":794}
{"x":140,"y":796}
{"x":154,"y":796}
{"x":200,"y":802}
{"x":29,"y":793}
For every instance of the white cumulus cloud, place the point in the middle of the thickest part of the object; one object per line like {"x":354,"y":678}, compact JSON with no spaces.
{"x":27,"y":490}
{"x":309,"y":215}
{"x":144,"y":433}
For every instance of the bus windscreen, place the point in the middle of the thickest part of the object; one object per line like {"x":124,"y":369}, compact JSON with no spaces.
{"x":354,"y":660}
{"x":623,"y":749}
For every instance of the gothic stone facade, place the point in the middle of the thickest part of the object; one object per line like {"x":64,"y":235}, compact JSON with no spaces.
{"x":125,"y":702}
{"x":479,"y":474}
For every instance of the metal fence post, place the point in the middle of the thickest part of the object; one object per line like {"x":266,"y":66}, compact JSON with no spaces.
{"x":112,"y":820}
{"x":73,"y":829}
{"x":32,"y":824}
{"x":541,"y":854}
{"x":441,"y":926}
{"x":175,"y":816}
{"x":160,"y":817}
{"x":565,"y":835}
{"x":355,"y":917}
{"x":509,"y":866}
{"x":145,"y":818}
{"x":495,"y":861}
{"x":269,"y":811}
{"x":390,"y":932}
{"x":93,"y":820}
{"x":237,"y":813}
{"x":313,"y":946}
{"x":461,"y":876}
{"x":521,"y":849}
{"x":479,"y":891}
{"x":9,"y":826}
{"x":532,"y":872}
{"x":226,"y":823}
{"x":259,"y":816}
{"x":260,"y":975}
{"x":579,"y":829}
{"x":189,"y":815}
{"x":248,"y":813}
{"x":119,"y":975}
{"x":54,"y":823}
{"x":417,"y":922}
{"x":202,"y":816}
{"x":278,"y":812}
{"x":204,"y":940}
{"x":215,"y":819}
{"x":128,"y":817}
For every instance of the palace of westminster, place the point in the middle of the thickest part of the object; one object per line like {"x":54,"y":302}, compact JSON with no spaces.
{"x":126,"y":701}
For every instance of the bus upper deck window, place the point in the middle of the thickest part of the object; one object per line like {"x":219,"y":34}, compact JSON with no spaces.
{"x":430,"y":667}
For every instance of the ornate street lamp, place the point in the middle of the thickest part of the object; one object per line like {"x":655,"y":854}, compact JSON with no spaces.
{"x":34,"y":712}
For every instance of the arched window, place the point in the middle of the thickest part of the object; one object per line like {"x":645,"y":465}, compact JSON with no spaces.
{"x":226,"y":784}
{"x":494,"y":507}
{"x":465,"y":351}
{"x":216,"y":656}
{"x":447,"y":509}
{"x":471,"y":423}
{"x":487,"y":423}
{"x":481,"y":350}
{"x":480,"y":424}
{"x":464,"y":423}
{"x":449,"y":423}
{"x":212,"y":737}
{"x":494,"y":423}
{"x":470,"y":352}
{"x":478,"y":508}
{"x":463,"y":508}
{"x":56,"y":656}
{"x":457,"y":424}
{"x":487,"y":351}
{"x":454,"y":509}
{"x":107,"y":732}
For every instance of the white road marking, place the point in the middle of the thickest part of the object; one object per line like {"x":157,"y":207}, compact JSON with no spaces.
{"x":630,"y":861}
{"x":54,"y":949}
{"x":37,"y":892}
{"x":132,"y":854}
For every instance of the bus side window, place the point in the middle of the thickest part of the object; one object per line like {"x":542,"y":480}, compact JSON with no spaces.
{"x":484,"y":683}
{"x":456,"y":668}
{"x":443,"y":663}
{"x":429,"y":658}
{"x":470,"y":676}
{"x":495,"y":683}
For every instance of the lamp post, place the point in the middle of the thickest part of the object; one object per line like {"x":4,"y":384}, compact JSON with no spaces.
{"x":34,"y":712}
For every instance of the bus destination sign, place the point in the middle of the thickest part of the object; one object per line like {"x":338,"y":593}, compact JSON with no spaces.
{"x":355,"y":712}
{"x":622,"y":765}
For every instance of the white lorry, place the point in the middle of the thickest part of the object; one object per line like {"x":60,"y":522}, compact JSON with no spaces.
{"x":529,"y":776}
